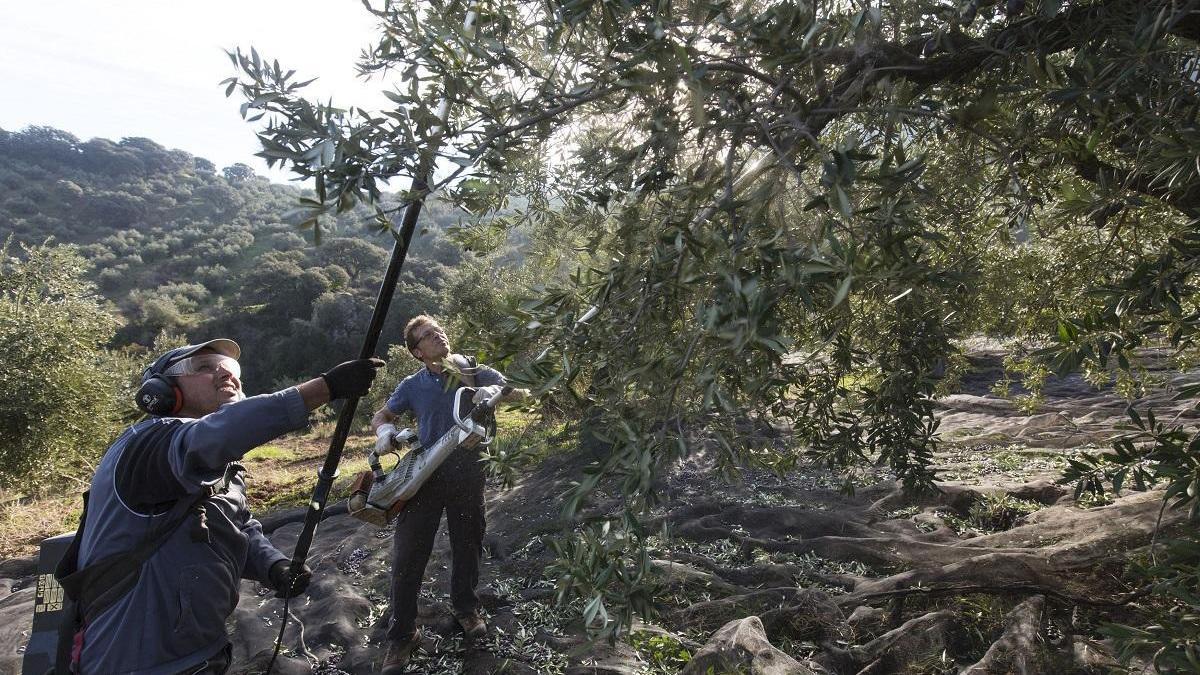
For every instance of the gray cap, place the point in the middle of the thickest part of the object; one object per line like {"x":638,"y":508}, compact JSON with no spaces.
{"x":220,"y":345}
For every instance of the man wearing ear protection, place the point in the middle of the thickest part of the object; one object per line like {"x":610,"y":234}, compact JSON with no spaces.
{"x":166,"y":535}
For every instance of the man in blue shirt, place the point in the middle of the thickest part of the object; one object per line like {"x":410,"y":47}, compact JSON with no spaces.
{"x":171,"y":485}
{"x":456,"y":487}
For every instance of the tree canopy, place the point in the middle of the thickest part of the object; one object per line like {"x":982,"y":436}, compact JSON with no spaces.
{"x":785,"y":211}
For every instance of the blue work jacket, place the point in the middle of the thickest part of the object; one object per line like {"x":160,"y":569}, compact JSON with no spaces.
{"x":174,"y":618}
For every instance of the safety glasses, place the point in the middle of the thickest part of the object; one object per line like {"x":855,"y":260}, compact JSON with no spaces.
{"x":205,"y":363}
{"x":429,"y":334}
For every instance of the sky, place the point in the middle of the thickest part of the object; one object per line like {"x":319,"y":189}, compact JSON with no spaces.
{"x":141,"y":68}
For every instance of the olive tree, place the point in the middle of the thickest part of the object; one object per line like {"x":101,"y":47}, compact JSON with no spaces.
{"x":781,"y":212}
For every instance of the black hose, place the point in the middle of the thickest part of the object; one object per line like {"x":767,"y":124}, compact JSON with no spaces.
{"x":279,"y":640}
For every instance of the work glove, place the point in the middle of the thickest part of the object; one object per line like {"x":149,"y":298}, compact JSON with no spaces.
{"x":282,"y":582}
{"x":388,"y":439}
{"x":351,"y":379}
{"x":385,"y":439}
{"x":485,"y":393}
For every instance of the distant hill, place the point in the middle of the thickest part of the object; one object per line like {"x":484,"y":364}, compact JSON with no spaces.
{"x":182,"y":248}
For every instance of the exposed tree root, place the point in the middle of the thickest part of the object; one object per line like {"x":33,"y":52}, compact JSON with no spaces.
{"x":812,"y":615}
{"x":895,"y":649}
{"x":679,"y":575}
{"x":1011,"y":589}
{"x":1019,"y":650}
{"x":1069,"y":556}
{"x":713,"y":613}
{"x":988,"y":570}
{"x":742,"y":646}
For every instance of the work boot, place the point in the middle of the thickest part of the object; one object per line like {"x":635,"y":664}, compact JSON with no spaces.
{"x":399,"y":653}
{"x":472,"y":624}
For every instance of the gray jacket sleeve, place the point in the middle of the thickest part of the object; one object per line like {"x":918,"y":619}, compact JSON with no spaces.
{"x":486,"y":376}
{"x":200,"y":452}
{"x":261,"y":554}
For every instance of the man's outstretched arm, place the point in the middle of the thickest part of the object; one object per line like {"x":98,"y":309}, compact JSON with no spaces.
{"x":201,"y":450}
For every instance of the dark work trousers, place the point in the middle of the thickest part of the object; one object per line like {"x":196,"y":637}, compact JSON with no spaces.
{"x":457,"y":488}
{"x":217,"y":664}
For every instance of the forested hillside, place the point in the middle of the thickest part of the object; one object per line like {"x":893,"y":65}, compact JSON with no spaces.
{"x":182,"y":248}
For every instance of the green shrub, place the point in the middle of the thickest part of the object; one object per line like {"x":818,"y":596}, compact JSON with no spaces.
{"x":60,"y":390}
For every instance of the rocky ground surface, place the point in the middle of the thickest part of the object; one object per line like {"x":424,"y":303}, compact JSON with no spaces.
{"x":1002,"y":572}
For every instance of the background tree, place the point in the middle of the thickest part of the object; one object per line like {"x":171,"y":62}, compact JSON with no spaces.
{"x":237,"y":173}
{"x":58,"y":405}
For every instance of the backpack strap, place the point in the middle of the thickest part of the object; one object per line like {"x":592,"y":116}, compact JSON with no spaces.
{"x":93,"y":589}
{"x":466,"y":366}
{"x":96,"y":587}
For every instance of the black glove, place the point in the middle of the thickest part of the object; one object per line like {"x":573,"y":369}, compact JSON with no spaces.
{"x":351,"y":379}
{"x":282,"y":582}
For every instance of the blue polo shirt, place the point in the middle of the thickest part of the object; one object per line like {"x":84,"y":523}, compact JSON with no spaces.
{"x":430,"y":398}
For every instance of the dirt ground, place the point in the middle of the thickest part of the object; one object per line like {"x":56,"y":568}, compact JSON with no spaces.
{"x":1003,"y":571}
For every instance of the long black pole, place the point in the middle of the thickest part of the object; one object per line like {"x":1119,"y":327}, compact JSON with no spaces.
{"x":333,"y":458}
{"x":329,"y":470}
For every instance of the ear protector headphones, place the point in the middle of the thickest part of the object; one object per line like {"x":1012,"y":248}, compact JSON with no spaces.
{"x":158,"y":394}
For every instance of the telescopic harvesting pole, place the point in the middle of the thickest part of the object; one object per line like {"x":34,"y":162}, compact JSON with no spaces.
{"x":420,"y":185}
